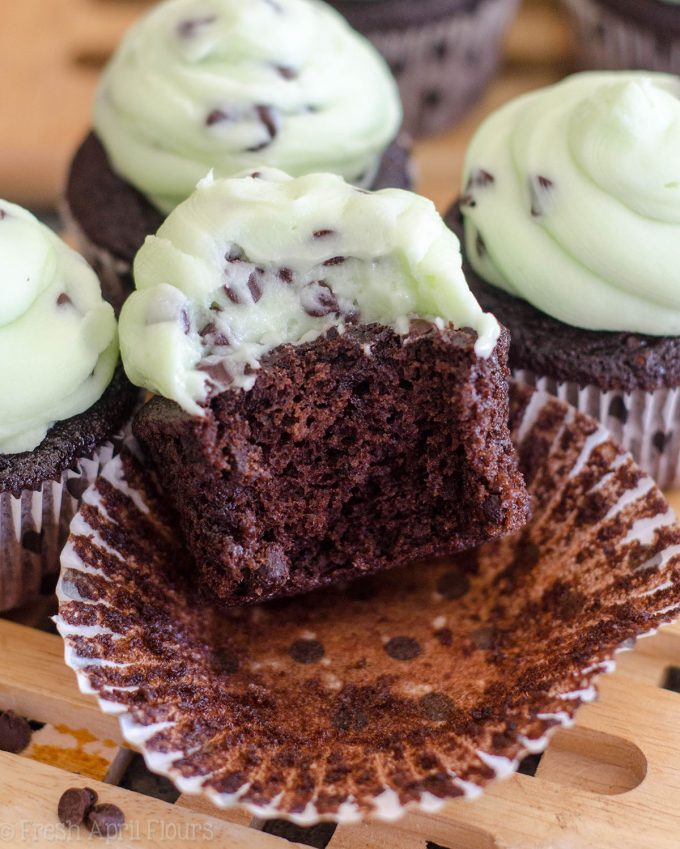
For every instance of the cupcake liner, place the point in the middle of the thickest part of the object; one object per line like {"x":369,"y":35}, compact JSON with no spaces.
{"x":115,"y":275}
{"x":443,"y":67}
{"x":404,"y":689}
{"x":647,"y":424}
{"x":35,"y":526}
{"x":610,"y":40}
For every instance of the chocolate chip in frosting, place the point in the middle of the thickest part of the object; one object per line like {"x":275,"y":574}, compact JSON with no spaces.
{"x":539,"y":188}
{"x":217,"y":116}
{"x":232,"y":295}
{"x":480,"y":245}
{"x":189,"y":26}
{"x":317,"y":299}
{"x":3,"y":214}
{"x":322,"y":234}
{"x":269,"y":117}
{"x":335,"y":260}
{"x":255,"y":285}
{"x":480,"y":178}
{"x":64,"y":300}
{"x":286,"y":72}
{"x":286,"y":275}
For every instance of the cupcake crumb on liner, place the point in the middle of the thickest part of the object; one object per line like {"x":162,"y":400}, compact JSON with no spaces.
{"x":399,"y":690}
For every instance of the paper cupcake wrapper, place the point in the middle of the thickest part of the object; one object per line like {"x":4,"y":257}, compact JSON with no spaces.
{"x":609,"y":40}
{"x":443,"y":67}
{"x":405,"y":689}
{"x":647,"y":424}
{"x":35,"y":526}
{"x":114,"y":274}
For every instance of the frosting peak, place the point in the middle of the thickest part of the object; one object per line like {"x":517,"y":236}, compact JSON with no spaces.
{"x":580,"y":215}
{"x":250,"y":263}
{"x":58,"y":342}
{"x":231,"y":85}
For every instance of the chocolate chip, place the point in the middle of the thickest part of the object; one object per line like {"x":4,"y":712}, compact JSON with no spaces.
{"x":77,"y":486}
{"x":306,"y":651}
{"x":468,"y":200}
{"x":436,"y":706}
{"x":317,"y":299}
{"x":32,"y":541}
{"x":483,"y":638}
{"x":216,"y":116}
{"x":335,"y":260}
{"x":538,"y":188}
{"x":75,"y":804}
{"x":185,"y":321}
{"x":64,"y":300}
{"x":480,"y":245}
{"x":254,"y":285}
{"x":480,"y":178}
{"x":234,"y":254}
{"x":618,"y":410}
{"x":321,"y":234}
{"x":267,"y":116}
{"x":660,"y":440}
{"x":105,"y":820}
{"x":232,"y":295}
{"x":15,"y":732}
{"x":286,"y":275}
{"x":453,"y":584}
{"x":286,"y":72}
{"x":187,"y":28}
{"x":208,"y":329}
{"x":403,"y":648}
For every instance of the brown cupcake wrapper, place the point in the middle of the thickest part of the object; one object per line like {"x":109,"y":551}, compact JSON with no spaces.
{"x":35,"y":526}
{"x":443,"y":67}
{"x":646,"y":424}
{"x":610,"y":40}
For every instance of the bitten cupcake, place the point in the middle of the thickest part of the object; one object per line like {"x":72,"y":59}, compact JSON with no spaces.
{"x":331,"y":399}
{"x":571,"y":218}
{"x":62,"y":398}
{"x":628,"y":33}
{"x":443,"y":53}
{"x":230,"y":86}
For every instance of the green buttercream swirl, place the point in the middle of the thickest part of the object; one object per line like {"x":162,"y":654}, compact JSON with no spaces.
{"x":246,"y":264}
{"x":58,"y":342}
{"x":572,"y":201}
{"x":232,"y":85}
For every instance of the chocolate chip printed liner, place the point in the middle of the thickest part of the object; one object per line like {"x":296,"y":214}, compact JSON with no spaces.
{"x":442,"y":68}
{"x":608,"y":40}
{"x":647,"y":424}
{"x":35,"y":526}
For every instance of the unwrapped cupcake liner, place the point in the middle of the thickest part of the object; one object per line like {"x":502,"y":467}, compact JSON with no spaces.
{"x":443,"y":67}
{"x":607,"y":39}
{"x":34,"y":528}
{"x":404,"y":689}
{"x":647,"y":424}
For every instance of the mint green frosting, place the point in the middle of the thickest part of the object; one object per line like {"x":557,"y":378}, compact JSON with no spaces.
{"x":572,"y":201}
{"x":58,"y":342}
{"x":232,"y":85}
{"x":250,"y":263}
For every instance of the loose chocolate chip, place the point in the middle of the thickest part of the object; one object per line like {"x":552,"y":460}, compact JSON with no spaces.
{"x":347,"y":717}
{"x":306,"y":651}
{"x":74,"y":805}
{"x":232,"y":295}
{"x":321,"y":234}
{"x":286,"y":275}
{"x":64,"y":300}
{"x":105,"y":820}
{"x":254,"y":285}
{"x":618,"y":410}
{"x":255,"y":175}
{"x":483,"y":638}
{"x":453,"y":584}
{"x":335,"y":260}
{"x":660,"y":440}
{"x":403,"y":648}
{"x":32,"y":541}
{"x":77,"y":486}
{"x":436,"y":706}
{"x":286,"y":72}
{"x":15,"y":732}
{"x":187,"y":28}
{"x":216,"y":116}
{"x":317,"y":299}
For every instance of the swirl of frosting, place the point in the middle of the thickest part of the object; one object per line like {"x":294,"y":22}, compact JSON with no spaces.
{"x":572,"y":201}
{"x":246,"y":264}
{"x":58,"y":341}
{"x":232,"y":85}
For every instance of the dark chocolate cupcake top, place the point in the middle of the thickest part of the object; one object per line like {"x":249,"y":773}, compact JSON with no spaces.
{"x":250,"y":263}
{"x":572,"y":201}
{"x":233,"y":85}
{"x":58,"y":341}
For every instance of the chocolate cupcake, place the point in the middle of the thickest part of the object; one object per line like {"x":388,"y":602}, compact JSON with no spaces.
{"x":622,"y":34}
{"x":62,"y":397}
{"x":443,"y":53}
{"x":571,"y":220}
{"x":227,"y":86}
{"x":331,"y":399}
